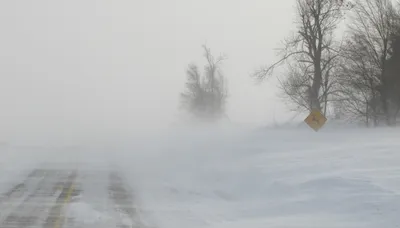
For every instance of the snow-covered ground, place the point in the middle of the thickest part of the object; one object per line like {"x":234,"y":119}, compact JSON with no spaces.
{"x":234,"y":177}
{"x":267,"y":178}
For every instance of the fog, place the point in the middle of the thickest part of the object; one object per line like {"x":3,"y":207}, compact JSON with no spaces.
{"x":92,"y":88}
{"x":74,"y":69}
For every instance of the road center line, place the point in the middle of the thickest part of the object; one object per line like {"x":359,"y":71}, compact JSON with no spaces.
{"x":67,"y":200}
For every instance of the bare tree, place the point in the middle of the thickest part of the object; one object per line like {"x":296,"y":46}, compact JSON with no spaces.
{"x":193,"y":98}
{"x":392,"y":77}
{"x":205,"y":96}
{"x":214,"y":82}
{"x":367,"y":53}
{"x":358,"y":81}
{"x":311,"y":55}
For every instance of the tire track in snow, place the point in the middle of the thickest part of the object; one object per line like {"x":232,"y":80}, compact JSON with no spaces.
{"x":18,"y":193}
{"x":30,"y":210}
{"x":41,"y":200}
{"x":18,"y":190}
{"x":123,"y":200}
{"x":56,"y":217}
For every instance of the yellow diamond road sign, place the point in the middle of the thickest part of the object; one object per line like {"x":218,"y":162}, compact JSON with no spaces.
{"x":315,"y":120}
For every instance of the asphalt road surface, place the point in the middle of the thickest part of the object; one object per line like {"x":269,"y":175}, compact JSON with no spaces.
{"x":65,"y":197}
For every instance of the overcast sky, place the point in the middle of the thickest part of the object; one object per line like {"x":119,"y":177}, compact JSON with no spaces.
{"x":102,"y":64}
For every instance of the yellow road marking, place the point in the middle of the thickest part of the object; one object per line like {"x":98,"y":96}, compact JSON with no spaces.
{"x":67,"y":199}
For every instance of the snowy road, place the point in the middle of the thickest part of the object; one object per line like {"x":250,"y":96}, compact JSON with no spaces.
{"x":56,"y":198}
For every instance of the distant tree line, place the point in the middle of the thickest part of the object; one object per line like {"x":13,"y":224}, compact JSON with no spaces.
{"x":353,"y":76}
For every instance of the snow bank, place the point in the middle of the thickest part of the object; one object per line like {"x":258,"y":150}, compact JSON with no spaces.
{"x":285,"y":178}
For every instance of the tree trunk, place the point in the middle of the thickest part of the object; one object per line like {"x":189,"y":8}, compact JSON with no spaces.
{"x":316,"y":85}
{"x":367,"y":113}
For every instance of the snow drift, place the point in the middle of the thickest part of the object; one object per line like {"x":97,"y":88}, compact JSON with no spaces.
{"x":280,"y":178}
{"x":235,"y":177}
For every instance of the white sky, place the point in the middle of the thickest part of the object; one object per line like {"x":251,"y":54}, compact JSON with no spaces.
{"x":115,"y":64}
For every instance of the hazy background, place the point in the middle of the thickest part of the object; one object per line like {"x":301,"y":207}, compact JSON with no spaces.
{"x":77,"y":68}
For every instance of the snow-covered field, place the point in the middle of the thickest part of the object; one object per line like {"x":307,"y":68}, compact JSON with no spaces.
{"x":232,"y":178}
{"x":268,"y":178}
